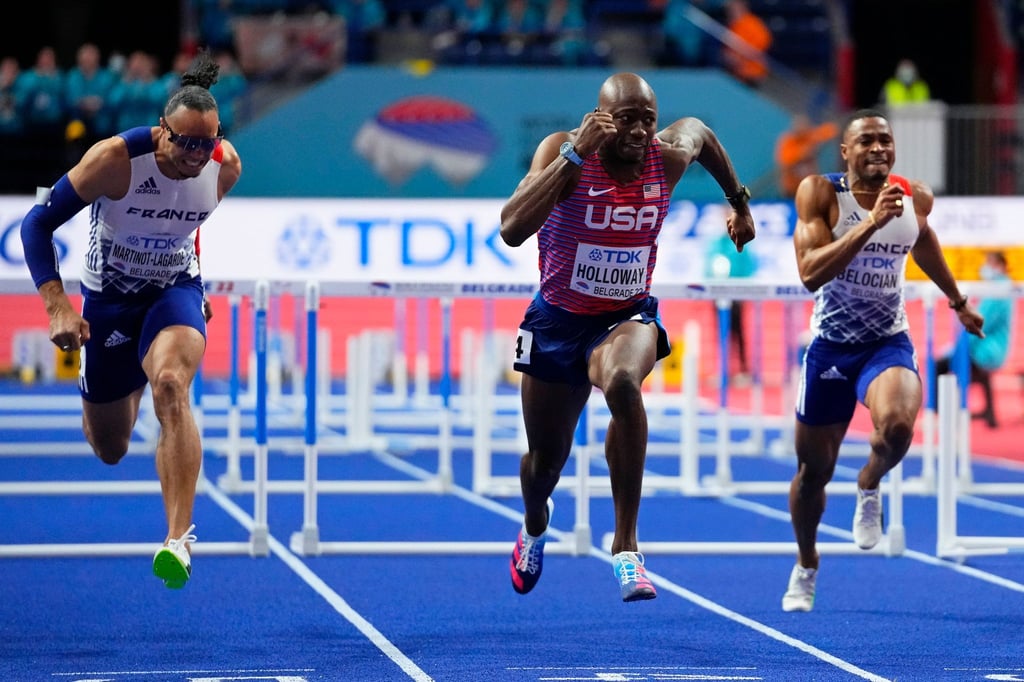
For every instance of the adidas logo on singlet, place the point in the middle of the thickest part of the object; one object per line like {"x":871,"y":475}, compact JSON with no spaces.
{"x":148,"y":187}
{"x":852,"y":219}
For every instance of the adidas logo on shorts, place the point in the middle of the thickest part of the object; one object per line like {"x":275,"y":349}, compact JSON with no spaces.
{"x":116,"y":338}
{"x":832,"y":373}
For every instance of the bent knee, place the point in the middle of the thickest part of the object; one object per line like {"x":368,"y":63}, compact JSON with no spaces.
{"x":811,"y":483}
{"x":897,"y":435}
{"x":109,"y":455}
{"x":109,"y":449}
{"x":623,"y":386}
{"x":170,"y":394}
{"x":813,"y":476}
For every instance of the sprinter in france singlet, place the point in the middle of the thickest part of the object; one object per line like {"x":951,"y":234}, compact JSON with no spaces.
{"x":148,"y":236}
{"x":865,"y":302}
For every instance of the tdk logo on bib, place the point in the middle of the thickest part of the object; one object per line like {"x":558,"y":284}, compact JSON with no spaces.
{"x":605,"y":272}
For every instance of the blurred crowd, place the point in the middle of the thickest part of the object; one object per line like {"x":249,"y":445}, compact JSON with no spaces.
{"x":51,"y":113}
{"x":515,"y":32}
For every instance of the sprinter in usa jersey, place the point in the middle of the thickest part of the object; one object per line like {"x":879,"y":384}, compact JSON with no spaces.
{"x":595,"y":197}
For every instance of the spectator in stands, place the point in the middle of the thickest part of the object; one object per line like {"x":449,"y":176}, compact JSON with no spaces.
{"x":685,"y":43}
{"x":44,"y":114}
{"x":471,"y":17}
{"x":363,"y":21}
{"x":747,"y":61}
{"x":139,"y":96}
{"x":12,"y":129}
{"x":213,"y":17}
{"x":905,"y":86}
{"x":797,"y":149}
{"x":986,"y":353}
{"x":171,"y":80}
{"x":517,"y":25}
{"x":11,"y":122}
{"x":564,"y":32}
{"x":724,"y":261}
{"x":229,"y":89}
{"x":43,"y":94}
{"x":461,"y":26}
{"x":87,"y":91}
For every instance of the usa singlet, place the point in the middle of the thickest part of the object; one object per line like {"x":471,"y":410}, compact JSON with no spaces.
{"x":148,"y":236}
{"x":865,"y":301}
{"x":598,"y":246}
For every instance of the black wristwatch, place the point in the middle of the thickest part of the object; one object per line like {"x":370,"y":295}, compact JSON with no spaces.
{"x":740,"y":198}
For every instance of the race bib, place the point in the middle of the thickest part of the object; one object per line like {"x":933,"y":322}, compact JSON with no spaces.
{"x":147,"y":256}
{"x":610,"y":272}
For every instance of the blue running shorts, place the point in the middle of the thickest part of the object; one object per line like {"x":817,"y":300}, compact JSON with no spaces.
{"x":555,"y":345}
{"x":835,"y":376}
{"x":122,"y":327}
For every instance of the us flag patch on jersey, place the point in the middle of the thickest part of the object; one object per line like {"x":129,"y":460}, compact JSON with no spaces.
{"x":652,"y":190}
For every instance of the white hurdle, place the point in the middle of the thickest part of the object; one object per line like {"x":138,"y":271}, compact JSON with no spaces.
{"x":307,"y":541}
{"x":258,"y":544}
{"x":949,"y":543}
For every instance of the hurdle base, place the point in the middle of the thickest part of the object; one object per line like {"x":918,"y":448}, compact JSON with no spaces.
{"x":887,"y":547}
{"x":583,"y":537}
{"x":897,"y":540}
{"x":259,"y":540}
{"x":116,"y":549}
{"x":963,"y":546}
{"x":230,"y":482}
{"x":306,"y":542}
{"x":454,"y":547}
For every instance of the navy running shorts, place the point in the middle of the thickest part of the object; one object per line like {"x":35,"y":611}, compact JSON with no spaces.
{"x":835,"y":376}
{"x":555,"y":345}
{"x":123,"y":326}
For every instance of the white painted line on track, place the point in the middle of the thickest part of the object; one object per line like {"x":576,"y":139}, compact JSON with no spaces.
{"x":670,"y":586}
{"x":772,"y":512}
{"x":323,"y":589}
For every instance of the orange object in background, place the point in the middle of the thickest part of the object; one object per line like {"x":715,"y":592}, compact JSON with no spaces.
{"x":796,"y":151}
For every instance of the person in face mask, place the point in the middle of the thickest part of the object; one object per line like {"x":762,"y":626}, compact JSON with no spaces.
{"x":987,"y":353}
{"x":905,"y":86}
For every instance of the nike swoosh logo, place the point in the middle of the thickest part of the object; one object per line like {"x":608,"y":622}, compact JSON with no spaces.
{"x":598,"y":192}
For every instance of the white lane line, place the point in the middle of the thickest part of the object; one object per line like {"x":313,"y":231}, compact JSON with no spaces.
{"x":662,"y":582}
{"x":323,"y":589}
{"x":772,"y":512}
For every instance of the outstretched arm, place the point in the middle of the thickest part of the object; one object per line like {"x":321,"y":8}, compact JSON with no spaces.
{"x":688,"y":140}
{"x":103,"y":171}
{"x":927,"y":253}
